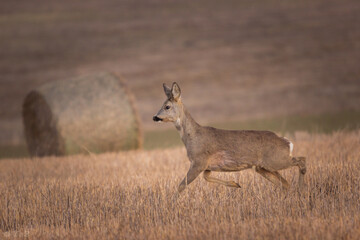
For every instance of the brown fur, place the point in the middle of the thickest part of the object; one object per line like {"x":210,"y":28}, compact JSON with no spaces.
{"x":210,"y":149}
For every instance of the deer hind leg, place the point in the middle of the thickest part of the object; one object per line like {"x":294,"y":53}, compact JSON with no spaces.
{"x":301,"y":163}
{"x":273,"y":177}
{"x":215,"y":180}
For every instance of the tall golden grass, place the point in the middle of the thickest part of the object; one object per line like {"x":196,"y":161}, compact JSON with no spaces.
{"x":129,"y":196}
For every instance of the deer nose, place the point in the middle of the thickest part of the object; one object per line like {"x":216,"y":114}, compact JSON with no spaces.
{"x":157,"y":119}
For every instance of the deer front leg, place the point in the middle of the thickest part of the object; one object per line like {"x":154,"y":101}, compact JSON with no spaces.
{"x":215,"y":180}
{"x":194,"y":171}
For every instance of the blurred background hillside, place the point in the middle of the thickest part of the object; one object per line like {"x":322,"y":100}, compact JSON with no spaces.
{"x":234,"y":60}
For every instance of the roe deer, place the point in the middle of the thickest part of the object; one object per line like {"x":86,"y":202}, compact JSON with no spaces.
{"x":210,"y":149}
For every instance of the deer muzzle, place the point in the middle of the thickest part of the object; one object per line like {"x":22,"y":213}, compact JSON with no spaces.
{"x":157,"y":119}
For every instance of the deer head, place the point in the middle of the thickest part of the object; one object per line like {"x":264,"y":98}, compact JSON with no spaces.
{"x":172,"y":107}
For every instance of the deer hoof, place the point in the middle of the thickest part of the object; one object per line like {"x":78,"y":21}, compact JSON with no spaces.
{"x":236,"y":185}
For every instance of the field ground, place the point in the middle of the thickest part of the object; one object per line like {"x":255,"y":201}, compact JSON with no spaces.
{"x":234,"y":60}
{"x":129,"y":196}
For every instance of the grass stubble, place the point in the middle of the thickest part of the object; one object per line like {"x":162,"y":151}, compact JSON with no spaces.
{"x":128,"y":195}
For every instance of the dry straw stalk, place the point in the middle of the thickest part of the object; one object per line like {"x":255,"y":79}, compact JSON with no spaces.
{"x":129,"y":196}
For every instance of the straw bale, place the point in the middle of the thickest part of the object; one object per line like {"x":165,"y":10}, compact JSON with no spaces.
{"x":93,"y":114}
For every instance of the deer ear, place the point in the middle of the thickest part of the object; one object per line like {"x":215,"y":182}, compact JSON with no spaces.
{"x":167,"y":91}
{"x":175,"y":91}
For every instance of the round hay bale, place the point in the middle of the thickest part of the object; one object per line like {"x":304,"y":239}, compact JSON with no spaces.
{"x":87,"y":114}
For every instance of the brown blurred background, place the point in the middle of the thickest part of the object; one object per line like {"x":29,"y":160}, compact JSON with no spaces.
{"x":234,"y":60}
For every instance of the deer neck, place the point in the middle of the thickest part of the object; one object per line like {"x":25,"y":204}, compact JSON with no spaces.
{"x":186,"y":125}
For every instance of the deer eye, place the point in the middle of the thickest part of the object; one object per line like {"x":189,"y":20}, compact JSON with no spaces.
{"x":167,"y":107}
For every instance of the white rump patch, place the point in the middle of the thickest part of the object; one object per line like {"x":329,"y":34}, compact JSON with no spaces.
{"x":291,"y":146}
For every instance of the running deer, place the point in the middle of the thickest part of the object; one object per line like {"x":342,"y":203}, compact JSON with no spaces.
{"x":210,"y":149}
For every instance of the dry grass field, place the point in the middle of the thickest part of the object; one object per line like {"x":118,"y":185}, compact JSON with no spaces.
{"x":129,"y":196}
